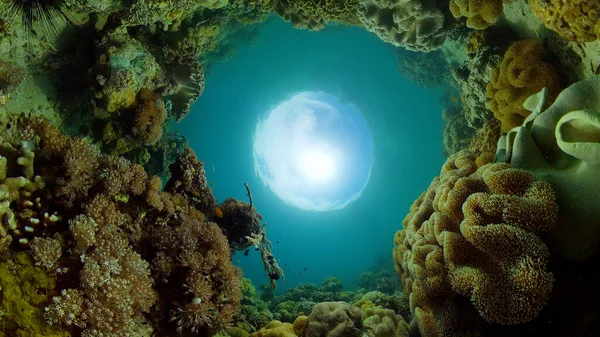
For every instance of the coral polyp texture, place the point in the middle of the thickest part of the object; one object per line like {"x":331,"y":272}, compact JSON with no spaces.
{"x":107,"y":234}
{"x":413,"y":24}
{"x":476,"y":233}
{"x":574,"y":20}
{"x":522,"y":73}
{"x":480,"y":14}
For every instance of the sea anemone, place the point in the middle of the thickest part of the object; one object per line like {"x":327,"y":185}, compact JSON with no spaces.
{"x":43,"y":11}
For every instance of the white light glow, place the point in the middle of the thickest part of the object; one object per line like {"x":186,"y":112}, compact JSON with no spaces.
{"x":313,"y":151}
{"x":317,"y":166}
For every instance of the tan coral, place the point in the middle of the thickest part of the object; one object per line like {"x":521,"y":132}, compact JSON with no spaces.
{"x":522,"y":73}
{"x":314,"y":15}
{"x":574,"y":20}
{"x":475,"y":232}
{"x":480,"y":14}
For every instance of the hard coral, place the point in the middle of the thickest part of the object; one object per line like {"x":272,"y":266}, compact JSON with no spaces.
{"x":522,"y":73}
{"x":150,"y":116}
{"x":334,"y":319}
{"x":574,"y":20}
{"x":413,"y":24}
{"x":314,"y":15}
{"x":475,"y":233}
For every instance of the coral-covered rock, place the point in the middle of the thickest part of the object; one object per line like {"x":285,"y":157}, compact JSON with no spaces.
{"x":314,"y":15}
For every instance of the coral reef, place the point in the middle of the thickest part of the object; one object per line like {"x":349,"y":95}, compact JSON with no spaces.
{"x":11,"y":77}
{"x":476,"y":233}
{"x":574,"y":20}
{"x":428,"y":70}
{"x":484,"y":142}
{"x":335,"y":319}
{"x":314,"y":15}
{"x":471,"y":78}
{"x":479,"y":14}
{"x":522,"y":73}
{"x":411,"y":24}
{"x":457,"y":133}
{"x":82,"y":219}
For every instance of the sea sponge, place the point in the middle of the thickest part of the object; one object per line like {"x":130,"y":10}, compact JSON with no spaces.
{"x":560,"y":144}
{"x":574,"y":20}
{"x":475,"y":232}
{"x":522,"y":73}
{"x":480,"y":14}
{"x":314,"y":15}
{"x":413,"y":24}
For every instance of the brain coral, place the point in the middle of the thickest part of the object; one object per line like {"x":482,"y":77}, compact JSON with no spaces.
{"x":480,"y":14}
{"x":314,"y":15}
{"x":475,"y":233}
{"x":413,"y":24}
{"x":574,"y":20}
{"x":561,"y":145}
{"x":522,"y":73}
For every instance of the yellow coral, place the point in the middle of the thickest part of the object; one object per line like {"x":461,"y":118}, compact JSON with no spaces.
{"x":522,"y":73}
{"x":480,"y":14}
{"x":484,"y":142}
{"x":24,"y":293}
{"x":475,"y":232}
{"x":276,"y":329}
{"x":574,"y":20}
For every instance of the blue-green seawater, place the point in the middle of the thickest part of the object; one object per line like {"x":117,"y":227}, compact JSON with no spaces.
{"x":359,"y":68}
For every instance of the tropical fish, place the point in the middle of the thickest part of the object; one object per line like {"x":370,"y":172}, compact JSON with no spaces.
{"x":218,"y":212}
{"x":247,"y":252}
{"x":212,"y":168}
{"x":212,"y":184}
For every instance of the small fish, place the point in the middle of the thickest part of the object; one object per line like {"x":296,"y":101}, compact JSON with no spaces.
{"x":256,"y":249}
{"x":212,"y":168}
{"x":304,"y":268}
{"x":270,"y":257}
{"x":218,"y":212}
{"x":277,"y":241}
{"x":285,"y":265}
{"x":211,"y":183}
{"x":247,"y":252}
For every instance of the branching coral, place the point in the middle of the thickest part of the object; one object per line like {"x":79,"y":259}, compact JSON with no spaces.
{"x":314,"y":15}
{"x":475,"y":232}
{"x":560,"y":144}
{"x":97,"y":244}
{"x":522,"y":73}
{"x":412,"y":24}
{"x":574,"y":20}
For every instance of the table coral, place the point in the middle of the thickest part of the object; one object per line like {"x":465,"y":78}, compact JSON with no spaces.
{"x":522,"y":73}
{"x":560,"y":144}
{"x":574,"y":20}
{"x":480,"y":14}
{"x":314,"y":15}
{"x":413,"y":24}
{"x":476,"y":233}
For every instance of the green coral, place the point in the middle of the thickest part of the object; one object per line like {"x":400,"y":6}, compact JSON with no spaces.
{"x":24,"y":291}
